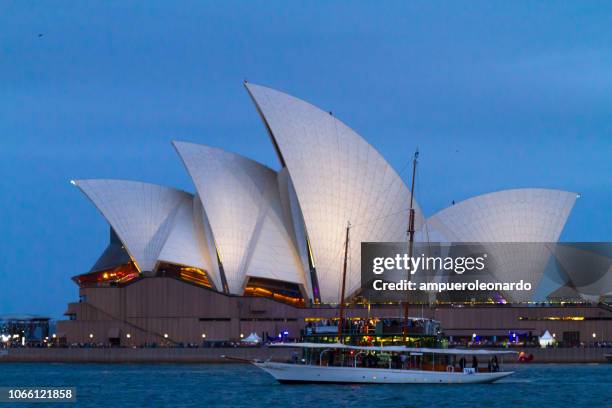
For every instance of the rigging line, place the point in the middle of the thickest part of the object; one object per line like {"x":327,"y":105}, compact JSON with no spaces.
{"x":399,"y":177}
{"x":375,"y":221}
{"x":379,"y":218}
{"x":394,"y":180}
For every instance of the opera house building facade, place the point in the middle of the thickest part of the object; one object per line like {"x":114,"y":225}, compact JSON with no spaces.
{"x":256,"y":249}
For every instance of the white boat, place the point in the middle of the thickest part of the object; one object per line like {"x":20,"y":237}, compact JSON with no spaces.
{"x":418,"y":366}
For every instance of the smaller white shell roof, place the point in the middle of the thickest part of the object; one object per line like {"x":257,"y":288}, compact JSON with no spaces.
{"x":186,"y":243}
{"x":515,"y":215}
{"x":143,"y":215}
{"x":528,"y":215}
{"x":242,"y":201}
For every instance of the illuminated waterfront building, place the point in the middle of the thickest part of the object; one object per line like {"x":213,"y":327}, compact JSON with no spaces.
{"x":256,"y":249}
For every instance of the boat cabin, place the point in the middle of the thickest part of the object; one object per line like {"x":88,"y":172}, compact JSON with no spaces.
{"x":398,"y":357}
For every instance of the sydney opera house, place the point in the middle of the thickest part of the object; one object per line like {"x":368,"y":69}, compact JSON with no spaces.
{"x":257,"y":249}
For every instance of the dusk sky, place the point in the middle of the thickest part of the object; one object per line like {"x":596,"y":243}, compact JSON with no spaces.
{"x":496,"y":95}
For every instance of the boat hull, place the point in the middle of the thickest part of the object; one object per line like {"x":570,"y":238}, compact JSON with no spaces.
{"x":310,"y":374}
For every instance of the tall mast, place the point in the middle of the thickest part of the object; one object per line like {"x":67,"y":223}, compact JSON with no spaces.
{"x":341,"y":319}
{"x":410,"y":241}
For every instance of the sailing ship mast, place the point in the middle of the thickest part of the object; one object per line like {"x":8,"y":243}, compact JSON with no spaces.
{"x":410,"y":241}
{"x":341,"y":318}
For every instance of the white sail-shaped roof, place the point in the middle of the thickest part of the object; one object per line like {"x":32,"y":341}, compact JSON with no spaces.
{"x":338,"y":177}
{"x":141,"y":214}
{"x":186,"y":243}
{"x":242,"y":201}
{"x":529,"y":215}
{"x":517,"y":215}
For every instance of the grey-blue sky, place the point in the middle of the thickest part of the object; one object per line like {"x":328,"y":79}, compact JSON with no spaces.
{"x":496,"y":95}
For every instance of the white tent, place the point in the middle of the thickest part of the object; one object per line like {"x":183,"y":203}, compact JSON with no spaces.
{"x":546,"y":339}
{"x":252,"y":338}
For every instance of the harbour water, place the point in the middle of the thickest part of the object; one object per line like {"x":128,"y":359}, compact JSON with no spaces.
{"x":156,"y":385}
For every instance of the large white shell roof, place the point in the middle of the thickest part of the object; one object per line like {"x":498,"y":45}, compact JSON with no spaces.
{"x":338,"y":178}
{"x":242,"y":201}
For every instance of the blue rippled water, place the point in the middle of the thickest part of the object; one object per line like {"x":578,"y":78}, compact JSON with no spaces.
{"x":157,"y":385}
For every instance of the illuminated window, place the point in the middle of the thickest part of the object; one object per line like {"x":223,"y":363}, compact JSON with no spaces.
{"x":186,"y":273}
{"x":285,"y":292}
{"x":118,"y":275}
